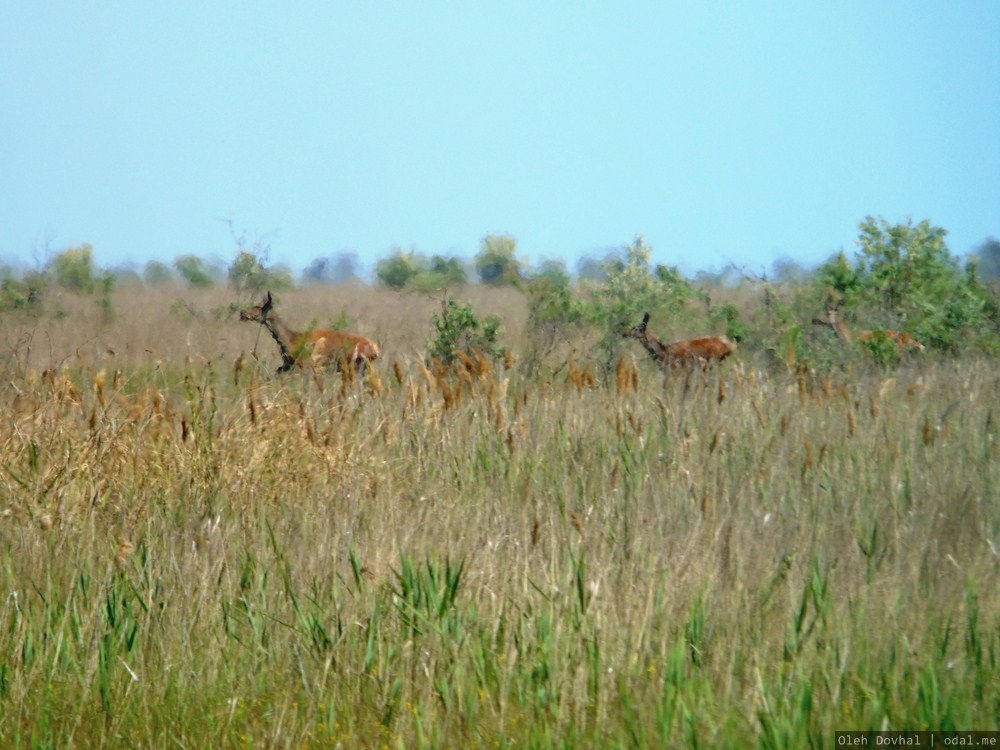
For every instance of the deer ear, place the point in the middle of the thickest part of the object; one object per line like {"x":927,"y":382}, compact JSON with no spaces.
{"x":645,"y":318}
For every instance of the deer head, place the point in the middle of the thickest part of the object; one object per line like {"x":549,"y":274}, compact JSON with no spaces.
{"x":258,"y":314}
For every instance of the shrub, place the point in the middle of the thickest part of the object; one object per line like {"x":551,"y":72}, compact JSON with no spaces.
{"x":457,"y":329}
{"x":633,"y":288}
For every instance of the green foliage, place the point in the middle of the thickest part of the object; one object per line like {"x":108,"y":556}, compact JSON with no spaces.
{"x":633,"y":288}
{"x":838,"y":279}
{"x":156,"y":273}
{"x":73,"y":269}
{"x":439,"y":273}
{"x":553,"y":312}
{"x":192,"y":269}
{"x":904,"y":266}
{"x":248,"y":274}
{"x":397,"y":269}
{"x":450,"y":270}
{"x":736,"y":328}
{"x":905,"y":278}
{"x":457,"y":329}
{"x":21,"y":294}
{"x":415,"y":271}
{"x":496,"y":263}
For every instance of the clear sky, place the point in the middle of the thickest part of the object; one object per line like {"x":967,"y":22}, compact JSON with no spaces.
{"x":722,"y":131}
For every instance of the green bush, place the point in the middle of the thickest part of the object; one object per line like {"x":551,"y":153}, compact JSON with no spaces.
{"x":905,"y":278}
{"x":457,"y":329}
{"x":631,"y":289}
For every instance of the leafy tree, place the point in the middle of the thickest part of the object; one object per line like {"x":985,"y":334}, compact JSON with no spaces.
{"x":334,"y":270}
{"x":838,"y":279}
{"x":397,"y":269}
{"x":495,"y":263}
{"x":904,"y":265}
{"x":415,"y":271}
{"x":248,"y":274}
{"x":73,"y":269}
{"x":789,"y":271}
{"x":592,"y":269}
{"x":192,"y":269}
{"x":156,"y":273}
{"x":451,"y":270}
{"x":988,"y":255}
{"x":904,"y":277}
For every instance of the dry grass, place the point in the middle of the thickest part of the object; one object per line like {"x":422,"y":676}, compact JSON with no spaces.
{"x":199,"y":556}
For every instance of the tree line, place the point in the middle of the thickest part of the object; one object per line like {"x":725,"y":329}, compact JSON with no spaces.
{"x":901,"y":277}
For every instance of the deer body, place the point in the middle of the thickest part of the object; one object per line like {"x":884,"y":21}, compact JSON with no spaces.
{"x":833,"y":319}
{"x":703,"y":351}
{"x":312,"y":347}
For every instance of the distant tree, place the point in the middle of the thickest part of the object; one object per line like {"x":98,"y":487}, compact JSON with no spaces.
{"x":156,"y":273}
{"x":397,"y":269}
{"x":496,"y":263}
{"x":73,"y":269}
{"x":415,"y":271}
{"x":248,"y":274}
{"x":125,"y":275}
{"x":451,"y":270}
{"x":193,"y":270}
{"x":332,"y":270}
{"x":591,"y":269}
{"x":988,"y":255}
{"x":789,"y":271}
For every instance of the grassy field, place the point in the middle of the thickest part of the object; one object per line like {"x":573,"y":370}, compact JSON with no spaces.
{"x":196,"y":553}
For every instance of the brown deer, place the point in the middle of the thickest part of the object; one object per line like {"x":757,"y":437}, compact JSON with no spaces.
{"x":312,"y":346}
{"x":703,"y":351}
{"x":833,"y":318}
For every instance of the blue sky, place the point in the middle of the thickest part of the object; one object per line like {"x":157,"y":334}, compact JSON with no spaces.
{"x":722,"y":131}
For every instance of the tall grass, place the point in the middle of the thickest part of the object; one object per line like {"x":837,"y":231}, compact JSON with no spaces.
{"x":197,"y":555}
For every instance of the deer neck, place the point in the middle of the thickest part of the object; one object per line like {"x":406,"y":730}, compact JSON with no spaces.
{"x":282,"y":334}
{"x":652,"y":345}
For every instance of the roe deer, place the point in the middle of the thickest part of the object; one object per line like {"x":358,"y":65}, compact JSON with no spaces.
{"x":312,"y":346}
{"x":833,"y":318}
{"x":703,"y":351}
